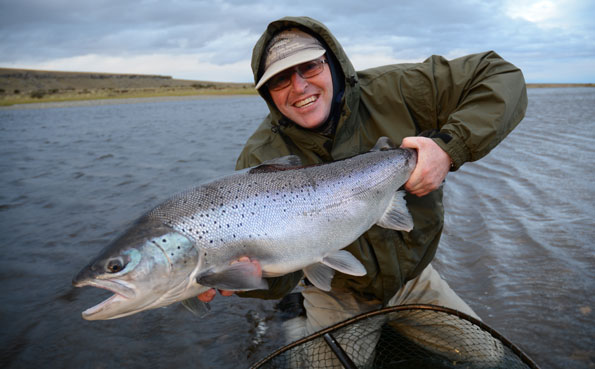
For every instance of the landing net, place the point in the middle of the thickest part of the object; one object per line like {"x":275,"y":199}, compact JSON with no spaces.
{"x":407,"y":336}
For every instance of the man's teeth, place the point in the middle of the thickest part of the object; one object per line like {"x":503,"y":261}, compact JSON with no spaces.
{"x":305,"y":102}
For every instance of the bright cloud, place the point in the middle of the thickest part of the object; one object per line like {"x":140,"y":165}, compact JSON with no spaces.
{"x":188,"y":66}
{"x":533,"y":11}
{"x":213,"y":40}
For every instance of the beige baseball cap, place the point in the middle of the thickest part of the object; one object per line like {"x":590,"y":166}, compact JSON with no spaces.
{"x":287,"y":49}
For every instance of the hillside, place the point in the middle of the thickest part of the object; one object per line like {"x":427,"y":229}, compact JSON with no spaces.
{"x":24,"y":86}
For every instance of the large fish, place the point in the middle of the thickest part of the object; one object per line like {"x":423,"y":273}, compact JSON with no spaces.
{"x":286,"y":216}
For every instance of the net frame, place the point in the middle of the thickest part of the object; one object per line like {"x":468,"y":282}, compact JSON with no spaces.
{"x":327,"y":334}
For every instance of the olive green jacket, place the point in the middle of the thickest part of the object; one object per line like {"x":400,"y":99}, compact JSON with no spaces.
{"x":473,"y":101}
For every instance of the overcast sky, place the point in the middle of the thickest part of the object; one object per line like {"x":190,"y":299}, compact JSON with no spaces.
{"x":550,"y":40}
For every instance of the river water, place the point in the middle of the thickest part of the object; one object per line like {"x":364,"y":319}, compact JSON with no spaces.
{"x":517,"y":246}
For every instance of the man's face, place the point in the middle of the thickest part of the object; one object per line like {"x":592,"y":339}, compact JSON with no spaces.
{"x":307,"y":102}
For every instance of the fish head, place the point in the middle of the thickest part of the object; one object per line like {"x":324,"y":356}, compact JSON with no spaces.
{"x":150,"y":265}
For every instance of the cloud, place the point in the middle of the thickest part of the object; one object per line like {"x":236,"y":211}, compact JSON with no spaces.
{"x":199,"y":39}
{"x":186,"y":66}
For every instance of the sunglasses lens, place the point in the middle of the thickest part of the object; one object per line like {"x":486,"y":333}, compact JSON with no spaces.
{"x":305,"y":70}
{"x":281,"y":80}
{"x":310,"y":69}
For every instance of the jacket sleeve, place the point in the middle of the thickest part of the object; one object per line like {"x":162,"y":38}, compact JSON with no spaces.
{"x":477,"y":100}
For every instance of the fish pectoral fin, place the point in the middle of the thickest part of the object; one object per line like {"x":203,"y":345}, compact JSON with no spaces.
{"x":278,"y":164}
{"x":197,"y":307}
{"x":344,"y":262}
{"x":240,"y":276}
{"x":397,"y":215}
{"x":320,"y":275}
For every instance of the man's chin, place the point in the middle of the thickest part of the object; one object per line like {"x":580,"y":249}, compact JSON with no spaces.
{"x":310,"y":122}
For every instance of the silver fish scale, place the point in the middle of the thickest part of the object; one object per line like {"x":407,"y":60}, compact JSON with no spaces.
{"x":287,"y":218}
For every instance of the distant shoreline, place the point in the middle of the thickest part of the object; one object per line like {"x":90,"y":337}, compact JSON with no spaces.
{"x":559,"y":85}
{"x":26,"y":86}
{"x":37,"y":88}
{"x":64,"y":102}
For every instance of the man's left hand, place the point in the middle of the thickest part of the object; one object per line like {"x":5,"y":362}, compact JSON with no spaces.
{"x":433,"y":164}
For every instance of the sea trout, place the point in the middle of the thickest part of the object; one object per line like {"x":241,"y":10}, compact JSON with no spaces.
{"x":286,"y":216}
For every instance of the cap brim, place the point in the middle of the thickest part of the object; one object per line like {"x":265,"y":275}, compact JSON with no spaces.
{"x":291,"y":61}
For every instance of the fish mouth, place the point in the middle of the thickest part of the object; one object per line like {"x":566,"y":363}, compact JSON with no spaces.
{"x":120,"y":290}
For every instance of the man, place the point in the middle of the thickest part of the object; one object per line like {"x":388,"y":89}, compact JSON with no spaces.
{"x":322,"y":110}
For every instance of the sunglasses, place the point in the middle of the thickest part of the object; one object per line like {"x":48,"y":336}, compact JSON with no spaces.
{"x":305,"y":70}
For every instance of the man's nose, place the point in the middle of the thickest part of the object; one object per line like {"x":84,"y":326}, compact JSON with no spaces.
{"x":298,"y":83}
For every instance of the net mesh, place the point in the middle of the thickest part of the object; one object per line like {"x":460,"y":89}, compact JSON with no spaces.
{"x":420,"y":336}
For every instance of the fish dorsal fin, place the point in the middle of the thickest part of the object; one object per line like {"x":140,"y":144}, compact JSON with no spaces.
{"x":397,"y":215}
{"x":320,"y":275}
{"x":240,"y":276}
{"x":277,"y":164}
{"x":344,"y":262}
{"x":383,"y":144}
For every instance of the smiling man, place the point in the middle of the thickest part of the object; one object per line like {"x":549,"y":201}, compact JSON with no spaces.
{"x":322,"y":110}
{"x":298,"y":79}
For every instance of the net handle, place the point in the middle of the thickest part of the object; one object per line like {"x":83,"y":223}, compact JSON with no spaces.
{"x":339,"y":352}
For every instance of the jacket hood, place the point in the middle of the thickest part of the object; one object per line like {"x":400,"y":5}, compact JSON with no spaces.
{"x":315,"y":28}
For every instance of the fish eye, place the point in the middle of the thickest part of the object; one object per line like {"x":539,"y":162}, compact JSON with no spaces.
{"x":115,"y":266}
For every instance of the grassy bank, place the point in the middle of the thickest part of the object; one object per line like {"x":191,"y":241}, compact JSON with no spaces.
{"x":97,"y":94}
{"x":22,"y":86}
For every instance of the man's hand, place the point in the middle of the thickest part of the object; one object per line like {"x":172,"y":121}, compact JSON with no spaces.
{"x":209,"y":295}
{"x":433,"y":165}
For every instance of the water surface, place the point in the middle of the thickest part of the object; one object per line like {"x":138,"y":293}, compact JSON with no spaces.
{"x":517,"y":246}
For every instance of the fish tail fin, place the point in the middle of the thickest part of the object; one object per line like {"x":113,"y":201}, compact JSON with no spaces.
{"x":397,"y":215}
